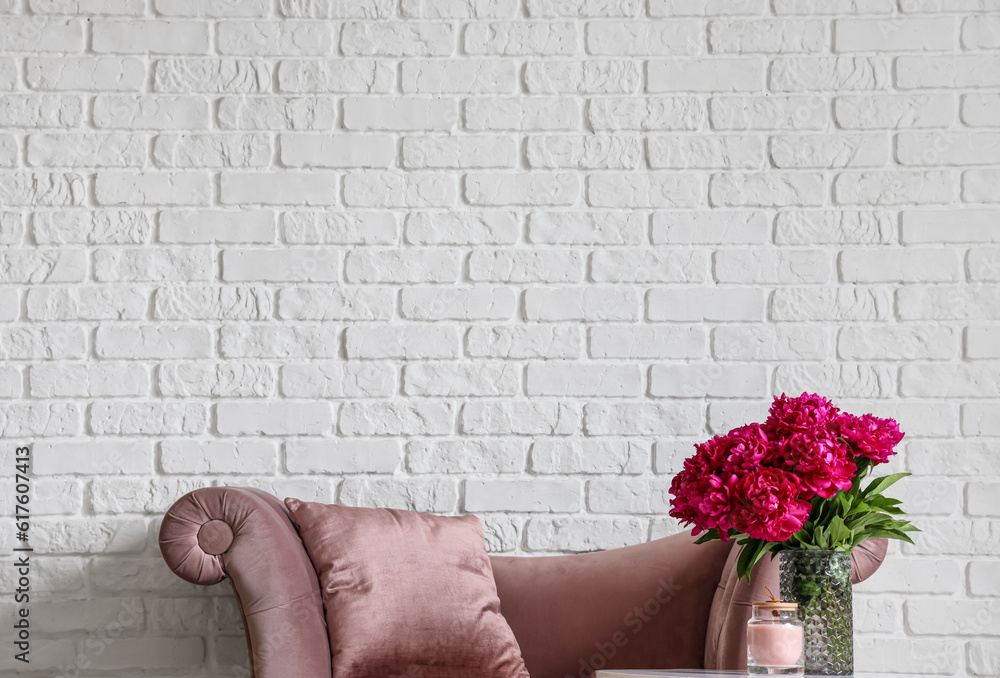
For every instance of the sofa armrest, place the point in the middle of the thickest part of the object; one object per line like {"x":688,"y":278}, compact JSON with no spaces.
{"x":245,"y":534}
{"x":726,"y":644}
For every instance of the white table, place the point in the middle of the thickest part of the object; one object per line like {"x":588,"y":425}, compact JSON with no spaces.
{"x":671,"y":673}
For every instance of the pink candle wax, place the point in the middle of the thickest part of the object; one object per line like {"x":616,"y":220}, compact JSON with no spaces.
{"x":775,"y":644}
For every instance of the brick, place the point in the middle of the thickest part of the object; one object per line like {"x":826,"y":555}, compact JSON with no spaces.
{"x":906,"y":265}
{"x":983,"y":578}
{"x":929,"y":496}
{"x":948,"y":148}
{"x":980,"y":419}
{"x":766,"y":36}
{"x":767,"y":189}
{"x":218,"y":456}
{"x":425,"y":76}
{"x":981,"y":342}
{"x":833,"y":6}
{"x":403,"y":342}
{"x":466,"y":456}
{"x":898,"y":343}
{"x":217,"y":380}
{"x":92,"y":227}
{"x":459,"y":9}
{"x":398,"y":189}
{"x":8,"y":73}
{"x":461,"y":303}
{"x":212,"y":150}
{"x":334,"y":456}
{"x":718,"y":151}
{"x":779,"y":112}
{"x":830,"y":151}
{"x":282,"y":341}
{"x":951,"y":380}
{"x":284,"y":38}
{"x":43,"y":342}
{"x":62,"y":381}
{"x":581,"y":303}
{"x":153,"y":188}
{"x":894,"y":188}
{"x":584,"y":534}
{"x":645,"y":113}
{"x":628,"y":495}
{"x":9,"y":150}
{"x":134,"y":112}
{"x":10,"y":305}
{"x":673,"y":418}
{"x":909,"y":575}
{"x":41,"y":34}
{"x":758,"y":343}
{"x":653,"y":265}
{"x":511,"y":341}
{"x":88,"y":536}
{"x":586,"y":228}
{"x":392,"y":266}
{"x":573,"y":379}
{"x":154,"y":653}
{"x":949,"y":458}
{"x":696,"y":304}
{"x":87,"y":303}
{"x":276,"y":112}
{"x":26,"y":420}
{"x":981,"y":500}
{"x":939,"y":657}
{"x":885,"y":111}
{"x":844,"y":380}
{"x":948,"y":302}
{"x":153,"y":264}
{"x":424,"y":152}
{"x":212,"y":8}
{"x":520,"y":417}
{"x":715,"y":74}
{"x":698,"y":381}
{"x":335,"y":303}
{"x":521,"y":38}
{"x":535,"y":496}
{"x":640,"y":38}
{"x":335,"y":380}
{"x":541,"y":113}
{"x":438,"y":495}
{"x":482,"y":227}
{"x":124,"y":418}
{"x":512,"y":266}
{"x":412,"y":417}
{"x":589,"y":456}
{"x":644,"y":190}
{"x":308,"y":150}
{"x":160,"y":36}
{"x":807,"y":74}
{"x":41,"y":110}
{"x":984,"y":264}
{"x":203,"y":302}
{"x":594,"y":76}
{"x":133,"y":495}
{"x":980,"y":110}
{"x":914,"y":34}
{"x":961,"y":618}
{"x":346,"y":9}
{"x":397,"y":38}
{"x":773,"y":267}
{"x":400,"y":113}
{"x":216,"y":226}
{"x":41,"y":188}
{"x":660,"y":8}
{"x":153,"y":342}
{"x":339,"y":228}
{"x":82,"y":458}
{"x":273,"y":418}
{"x":983,"y":657}
{"x":840,"y":227}
{"x":966,"y":70}
{"x":279,"y":188}
{"x":628,"y":341}
{"x":980,"y":185}
{"x":457,"y":379}
{"x":213,"y":76}
{"x":11,"y":382}
{"x":482,"y":188}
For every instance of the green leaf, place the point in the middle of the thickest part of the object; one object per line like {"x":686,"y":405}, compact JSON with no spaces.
{"x":838,"y":532}
{"x":880,"y":484}
{"x":709,"y":535}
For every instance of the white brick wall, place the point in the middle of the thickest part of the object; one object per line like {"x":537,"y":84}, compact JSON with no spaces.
{"x":511,"y":257}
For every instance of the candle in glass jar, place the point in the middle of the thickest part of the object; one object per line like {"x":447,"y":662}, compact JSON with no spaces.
{"x":774,"y":639}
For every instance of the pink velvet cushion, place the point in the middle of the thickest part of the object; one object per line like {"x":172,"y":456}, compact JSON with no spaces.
{"x":407,"y":594}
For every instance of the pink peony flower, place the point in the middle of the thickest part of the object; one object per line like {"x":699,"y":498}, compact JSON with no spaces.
{"x":870,"y":436}
{"x":743,"y":449}
{"x":823,"y":464}
{"x":702,"y":500}
{"x":767,"y":506}
{"x":807,"y":413}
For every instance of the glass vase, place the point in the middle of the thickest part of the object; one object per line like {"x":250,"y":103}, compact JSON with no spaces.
{"x":820,"y":582}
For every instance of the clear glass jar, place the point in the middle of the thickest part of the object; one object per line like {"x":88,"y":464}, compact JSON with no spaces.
{"x":775,"y":640}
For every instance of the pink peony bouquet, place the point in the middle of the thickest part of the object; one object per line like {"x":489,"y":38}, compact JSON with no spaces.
{"x":793,"y":482}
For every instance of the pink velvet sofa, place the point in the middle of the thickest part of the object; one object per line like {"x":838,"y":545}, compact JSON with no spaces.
{"x":667,"y":603}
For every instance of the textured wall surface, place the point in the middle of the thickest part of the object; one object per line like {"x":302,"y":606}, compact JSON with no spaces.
{"x":510,"y":257}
